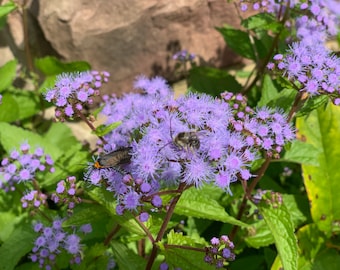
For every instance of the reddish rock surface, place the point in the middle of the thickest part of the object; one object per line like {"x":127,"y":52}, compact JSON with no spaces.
{"x":129,"y":37}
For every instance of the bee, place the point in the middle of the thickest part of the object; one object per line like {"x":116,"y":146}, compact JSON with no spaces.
{"x":114,"y":159}
{"x":187,"y":140}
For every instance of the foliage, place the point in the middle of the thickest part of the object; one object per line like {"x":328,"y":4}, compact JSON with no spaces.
{"x":213,"y":179}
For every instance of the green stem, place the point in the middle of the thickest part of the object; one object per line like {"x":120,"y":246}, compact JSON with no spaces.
{"x":163,"y":228}
{"x":111,"y":234}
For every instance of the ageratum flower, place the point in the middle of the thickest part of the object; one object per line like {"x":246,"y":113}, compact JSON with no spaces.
{"x":72,"y":91}
{"x":33,"y":198}
{"x":51,"y":241}
{"x":66,"y":193}
{"x":313,"y":68}
{"x":319,"y":19}
{"x":270,"y":6}
{"x":183,"y":56}
{"x":220,"y":251}
{"x":23,"y":166}
{"x":195,"y":139}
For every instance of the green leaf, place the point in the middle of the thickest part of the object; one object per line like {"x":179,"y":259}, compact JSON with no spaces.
{"x":18,"y":244}
{"x":269,"y":91}
{"x":321,"y":129}
{"x":327,"y":259}
{"x":12,"y":137}
{"x":74,"y":159}
{"x":284,"y":100}
{"x":212,"y":81}
{"x":126,"y":259}
{"x":311,"y":104}
{"x":8,"y":222}
{"x":7,"y":74}
{"x":9,"y":109}
{"x":293,"y":207}
{"x":106,"y":199}
{"x":198,"y":203}
{"x":303,"y":153}
{"x":262,"y":21}
{"x":259,"y":235}
{"x":184,"y":258}
{"x":177,"y":238}
{"x":28,"y":101}
{"x":47,"y":84}
{"x":18,"y":105}
{"x":249,"y":262}
{"x":279,"y":222}
{"x":88,"y":214}
{"x":105,"y":129}
{"x":97,"y":111}
{"x":61,"y":135}
{"x":261,"y":45}
{"x":311,"y":241}
{"x":95,"y":258}
{"x":28,"y":266}
{"x":5,"y":9}
{"x":50,"y":65}
{"x":93,"y":214}
{"x":238,"y":41}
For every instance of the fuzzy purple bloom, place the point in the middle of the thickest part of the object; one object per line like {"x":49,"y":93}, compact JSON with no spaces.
{"x":192,"y":140}
{"x":22,"y":166}
{"x":317,"y":70}
{"x":74,"y":90}
{"x":51,"y":241}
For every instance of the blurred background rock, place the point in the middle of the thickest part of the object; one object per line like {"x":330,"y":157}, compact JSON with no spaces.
{"x":125,"y":37}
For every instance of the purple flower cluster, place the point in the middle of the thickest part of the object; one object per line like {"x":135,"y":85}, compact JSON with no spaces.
{"x":312,"y":68}
{"x":54,"y":240}
{"x":132,"y":194}
{"x":135,"y":109}
{"x":317,"y":20}
{"x":74,"y":90}
{"x":33,"y":198}
{"x":23,"y":166}
{"x":321,"y":16}
{"x":0,"y":99}
{"x":66,"y":193}
{"x":194,"y":139}
{"x":220,"y":251}
{"x":268,"y":197}
{"x":183,"y":56}
{"x":264,"y":128}
{"x":270,"y":6}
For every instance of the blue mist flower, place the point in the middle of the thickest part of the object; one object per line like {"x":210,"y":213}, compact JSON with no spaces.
{"x":51,"y":241}
{"x":194,"y":139}
{"x":313,"y":67}
{"x":23,"y":166}
{"x":74,"y":90}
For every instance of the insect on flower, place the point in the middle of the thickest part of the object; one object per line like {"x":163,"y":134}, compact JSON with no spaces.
{"x":187,"y":140}
{"x":114,"y":159}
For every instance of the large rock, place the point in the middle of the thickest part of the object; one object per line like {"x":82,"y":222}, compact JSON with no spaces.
{"x":132,"y":37}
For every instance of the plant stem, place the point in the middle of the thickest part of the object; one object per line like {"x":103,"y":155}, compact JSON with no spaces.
{"x":246,"y":196}
{"x":163,"y":228}
{"x":261,"y":64}
{"x":82,"y":116}
{"x":26,"y":37}
{"x":111,"y":234}
{"x":145,"y":229}
{"x":296,"y":104}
